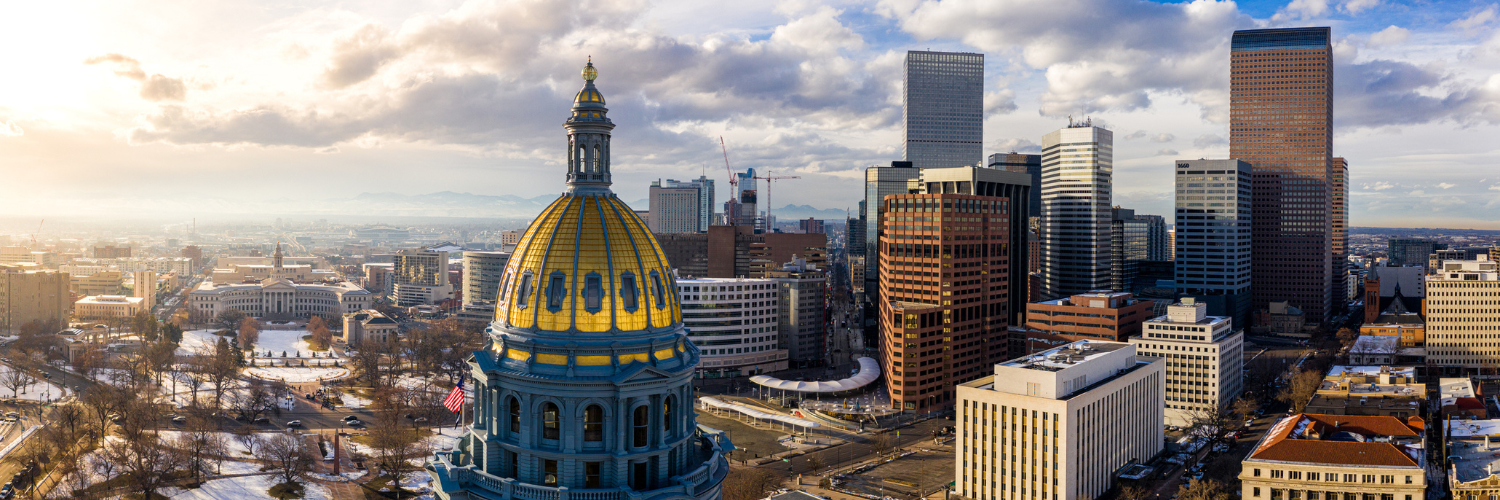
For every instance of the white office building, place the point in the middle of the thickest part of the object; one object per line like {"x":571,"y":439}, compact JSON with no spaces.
{"x":1058,"y":424}
{"x":942,"y":110}
{"x":1213,"y":236}
{"x":1202,"y":357}
{"x":734,"y":323}
{"x":681,"y":207}
{"x":1463,"y":316}
{"x":1077,"y":170}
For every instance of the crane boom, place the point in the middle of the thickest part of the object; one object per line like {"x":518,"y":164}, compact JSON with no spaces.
{"x":768,"y":178}
{"x":734,"y":182}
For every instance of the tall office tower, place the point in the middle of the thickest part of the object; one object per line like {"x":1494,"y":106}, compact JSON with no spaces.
{"x":1202,"y":383}
{"x":943,"y":109}
{"x":744,"y":209}
{"x":421,"y":277}
{"x":1402,"y":252}
{"x":1058,"y":424}
{"x":676,"y":207}
{"x":1128,"y":242}
{"x":1027,"y":164}
{"x":482,"y":271}
{"x":804,"y":315}
{"x":943,"y":296}
{"x":1158,"y":243}
{"x":1341,"y":234}
{"x":991,"y":182}
{"x":879,"y":183}
{"x":1214,"y":249}
{"x":855,"y":247}
{"x":1459,"y":327}
{"x":1077,"y":165}
{"x":1281,"y":121}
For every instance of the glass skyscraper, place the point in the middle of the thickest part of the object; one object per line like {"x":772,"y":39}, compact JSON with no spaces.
{"x":943,"y":109}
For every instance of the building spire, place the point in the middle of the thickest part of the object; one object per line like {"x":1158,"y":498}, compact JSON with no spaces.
{"x":276,"y":257}
{"x":588,"y":138}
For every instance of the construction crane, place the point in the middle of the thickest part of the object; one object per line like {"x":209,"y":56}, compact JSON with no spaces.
{"x":38,"y":230}
{"x":768,"y":178}
{"x":734,"y":181}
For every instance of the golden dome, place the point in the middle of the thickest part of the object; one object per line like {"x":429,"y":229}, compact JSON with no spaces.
{"x":588,"y":264}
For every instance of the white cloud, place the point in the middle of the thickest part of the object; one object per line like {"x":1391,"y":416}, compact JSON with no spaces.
{"x":1163,"y":137}
{"x":1167,"y":152}
{"x":1018,"y":146}
{"x":1391,"y":35}
{"x":10,"y":129}
{"x":1300,"y":10}
{"x":1446,"y":185}
{"x":1354,"y":7}
{"x":1477,"y":19}
{"x":1135,"y":135}
{"x":1382,"y":186}
{"x":1207,"y":140}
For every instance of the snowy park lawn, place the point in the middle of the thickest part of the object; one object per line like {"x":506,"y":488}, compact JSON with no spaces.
{"x":38,"y":390}
{"x":275,"y":341}
{"x":244,"y":488}
{"x":297,"y":374}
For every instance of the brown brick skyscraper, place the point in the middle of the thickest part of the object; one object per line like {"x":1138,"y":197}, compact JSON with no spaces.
{"x":944,"y":264}
{"x":1281,"y":118}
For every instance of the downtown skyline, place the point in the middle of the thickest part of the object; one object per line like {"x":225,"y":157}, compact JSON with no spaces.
{"x":236,"y":110}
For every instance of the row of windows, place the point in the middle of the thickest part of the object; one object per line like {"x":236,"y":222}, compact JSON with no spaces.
{"x":593,"y":291}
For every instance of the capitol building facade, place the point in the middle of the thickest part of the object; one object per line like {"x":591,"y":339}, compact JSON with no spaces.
{"x":585,"y":390}
{"x":276,"y":291}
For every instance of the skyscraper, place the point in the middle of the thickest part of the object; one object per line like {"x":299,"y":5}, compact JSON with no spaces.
{"x":943,"y":109}
{"x":676,"y":208}
{"x":991,"y":182}
{"x":879,"y":183}
{"x":1402,"y":252}
{"x":1077,"y":166}
{"x":584,"y":387}
{"x":1281,"y":117}
{"x":1213,"y":236}
{"x":943,"y":307}
{"x":1342,"y":292}
{"x":1027,"y":164}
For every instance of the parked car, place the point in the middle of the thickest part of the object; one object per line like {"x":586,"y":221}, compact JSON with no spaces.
{"x":350,"y":417}
{"x":294,"y":423}
{"x":262,"y":420}
{"x":354,"y":423}
{"x":179,"y":420}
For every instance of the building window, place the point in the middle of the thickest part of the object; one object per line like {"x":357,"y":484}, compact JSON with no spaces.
{"x":591,"y":474}
{"x":629,"y":293}
{"x":593,"y":293}
{"x":549,"y":421}
{"x":666,"y":415}
{"x":661,"y":295}
{"x":593,"y":423}
{"x":523,"y":292}
{"x":555,"y":291}
{"x":549,"y":472}
{"x":515,"y":415}
{"x":641,"y":426}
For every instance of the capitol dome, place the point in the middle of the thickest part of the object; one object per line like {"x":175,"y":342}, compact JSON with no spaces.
{"x":585,"y":388}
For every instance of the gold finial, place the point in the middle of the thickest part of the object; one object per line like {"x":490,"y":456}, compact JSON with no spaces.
{"x":589,"y":73}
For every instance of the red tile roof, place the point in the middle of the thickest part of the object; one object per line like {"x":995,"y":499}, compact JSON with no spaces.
{"x":1293,"y":440}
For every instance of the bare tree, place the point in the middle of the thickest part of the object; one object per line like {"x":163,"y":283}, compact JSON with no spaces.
{"x":322,"y":337}
{"x":100,"y":401}
{"x":1203,"y":489}
{"x":15,"y":379}
{"x":1300,"y":389}
{"x":201,"y":447}
{"x":395,"y":444}
{"x":1243,"y":408}
{"x":89,"y":361}
{"x":749,"y":483}
{"x":252,"y":401}
{"x":221,"y":370}
{"x":249,"y":333}
{"x":144,"y":462}
{"x":366,"y":363}
{"x":231,"y":317}
{"x":1134,"y":493}
{"x":245,"y":435}
{"x":290,"y":455}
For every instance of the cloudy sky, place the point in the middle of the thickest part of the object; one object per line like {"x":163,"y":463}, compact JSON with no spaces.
{"x":196,"y":109}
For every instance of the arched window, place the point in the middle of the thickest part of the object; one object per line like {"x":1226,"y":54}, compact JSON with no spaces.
{"x":523,"y":292}
{"x":549,"y":421}
{"x":641,"y":425}
{"x":556,"y":292}
{"x":666,"y":414}
{"x":593,"y":423}
{"x":598,"y":161}
{"x":629,"y":293}
{"x":515,"y":414}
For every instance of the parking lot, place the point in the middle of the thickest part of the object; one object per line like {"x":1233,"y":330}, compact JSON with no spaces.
{"x":918,"y":470}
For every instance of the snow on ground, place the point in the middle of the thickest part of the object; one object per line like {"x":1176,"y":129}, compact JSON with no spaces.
{"x":297,"y":374}
{"x":288,"y":341}
{"x":419,"y":481}
{"x":244,"y":488}
{"x":37,"y":390}
{"x":352,"y":401}
{"x":194,"y":341}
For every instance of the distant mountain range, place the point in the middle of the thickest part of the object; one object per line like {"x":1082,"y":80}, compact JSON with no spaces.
{"x":452,"y":204}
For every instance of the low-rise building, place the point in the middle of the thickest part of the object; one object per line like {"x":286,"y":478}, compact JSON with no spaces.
{"x":98,"y":283}
{"x":1458,"y":398}
{"x":735,"y":323}
{"x":28,"y":296}
{"x":1097,"y":315}
{"x":278,"y":298}
{"x":369,"y":325}
{"x":1474,"y":459}
{"x":803,"y":312}
{"x":1281,"y":318}
{"x":1058,"y":424}
{"x":1203,"y":360}
{"x":108,"y":306}
{"x":1326,"y":457}
{"x":1374,"y":350}
{"x":1397,"y":321}
{"x":1391,"y":391}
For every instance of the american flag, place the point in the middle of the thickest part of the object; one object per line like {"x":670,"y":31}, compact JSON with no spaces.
{"x":455,"y":399}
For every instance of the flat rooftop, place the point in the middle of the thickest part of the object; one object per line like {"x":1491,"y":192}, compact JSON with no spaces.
{"x":1371,"y":371}
{"x":1474,"y":458}
{"x":1070,"y":355}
